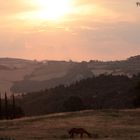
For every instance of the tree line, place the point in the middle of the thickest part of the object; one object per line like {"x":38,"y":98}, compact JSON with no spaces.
{"x":101,"y":92}
{"x":9,"y":109}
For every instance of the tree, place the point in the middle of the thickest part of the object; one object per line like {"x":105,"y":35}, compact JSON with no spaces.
{"x":6,"y":106}
{"x":73,"y":103}
{"x":137,"y":96}
{"x":13,"y":105}
{"x":0,"y":107}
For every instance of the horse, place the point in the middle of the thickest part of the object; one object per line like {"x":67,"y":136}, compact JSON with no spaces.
{"x":80,"y":131}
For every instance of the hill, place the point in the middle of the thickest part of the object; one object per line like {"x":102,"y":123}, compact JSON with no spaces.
{"x":11,"y":70}
{"x":20,"y":76}
{"x":54,"y":73}
{"x":103,"y":125}
{"x":104,"y":91}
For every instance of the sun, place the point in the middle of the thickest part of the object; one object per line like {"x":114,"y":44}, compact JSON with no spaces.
{"x":52,"y":9}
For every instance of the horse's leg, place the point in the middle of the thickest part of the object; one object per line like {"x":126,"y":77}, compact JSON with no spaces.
{"x":81,"y":135}
{"x":71,"y":135}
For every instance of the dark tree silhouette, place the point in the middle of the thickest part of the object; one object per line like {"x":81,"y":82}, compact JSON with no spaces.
{"x":0,"y":107}
{"x":13,"y":106}
{"x":137,"y":96}
{"x":73,"y":103}
{"x":101,"y":92}
{"x":9,"y":109}
{"x":6,"y":106}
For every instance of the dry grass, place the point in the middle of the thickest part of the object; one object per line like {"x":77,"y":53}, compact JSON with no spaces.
{"x":103,"y":125}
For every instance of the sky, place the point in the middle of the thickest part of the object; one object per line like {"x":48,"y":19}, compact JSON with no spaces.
{"x":69,"y":29}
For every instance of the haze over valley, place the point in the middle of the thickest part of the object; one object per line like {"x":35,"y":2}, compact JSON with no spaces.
{"x":20,"y":76}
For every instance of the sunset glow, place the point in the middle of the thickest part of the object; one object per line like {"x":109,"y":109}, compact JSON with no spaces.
{"x":69,"y":29}
{"x":50,"y":9}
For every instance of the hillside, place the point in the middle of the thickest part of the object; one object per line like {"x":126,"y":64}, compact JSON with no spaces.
{"x":54,"y":73}
{"x":20,"y":76}
{"x":103,"y":125}
{"x":104,"y":91}
{"x":11,"y":70}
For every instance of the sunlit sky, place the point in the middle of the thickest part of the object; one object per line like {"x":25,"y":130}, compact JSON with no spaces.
{"x":69,"y":29}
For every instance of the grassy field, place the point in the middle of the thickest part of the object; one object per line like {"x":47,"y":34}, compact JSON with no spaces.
{"x":103,"y":125}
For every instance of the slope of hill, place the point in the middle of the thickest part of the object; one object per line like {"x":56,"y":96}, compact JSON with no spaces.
{"x":127,"y":67}
{"x":104,"y":91}
{"x":3,"y":67}
{"x":103,"y":125}
{"x":65,"y":75}
{"x":18,"y":75}
{"x":54,"y":73}
{"x":12,"y":70}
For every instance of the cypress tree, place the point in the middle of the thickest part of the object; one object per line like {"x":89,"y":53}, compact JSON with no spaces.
{"x":13,"y":106}
{"x":0,"y":107}
{"x":6,"y":106}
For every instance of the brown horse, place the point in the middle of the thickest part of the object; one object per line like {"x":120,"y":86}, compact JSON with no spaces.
{"x":80,"y":131}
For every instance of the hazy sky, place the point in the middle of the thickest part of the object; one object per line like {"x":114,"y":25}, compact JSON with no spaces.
{"x":70,"y":29}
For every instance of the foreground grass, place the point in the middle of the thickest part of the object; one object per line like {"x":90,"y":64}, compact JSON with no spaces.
{"x":103,"y":125}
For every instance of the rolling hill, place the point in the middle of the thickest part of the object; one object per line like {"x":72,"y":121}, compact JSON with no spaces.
{"x":21,"y":76}
{"x":102,"y":92}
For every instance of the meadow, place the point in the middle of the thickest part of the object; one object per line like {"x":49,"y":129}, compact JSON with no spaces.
{"x":102,"y":124}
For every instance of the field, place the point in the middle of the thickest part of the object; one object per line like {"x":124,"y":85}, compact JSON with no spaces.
{"x":103,"y":125}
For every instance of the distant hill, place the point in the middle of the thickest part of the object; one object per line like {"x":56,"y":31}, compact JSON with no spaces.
{"x":54,"y":73}
{"x":12,"y":69}
{"x":20,"y":76}
{"x":58,"y":73}
{"x":3,"y":67}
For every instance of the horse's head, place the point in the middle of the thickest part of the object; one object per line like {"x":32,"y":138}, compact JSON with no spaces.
{"x":69,"y":131}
